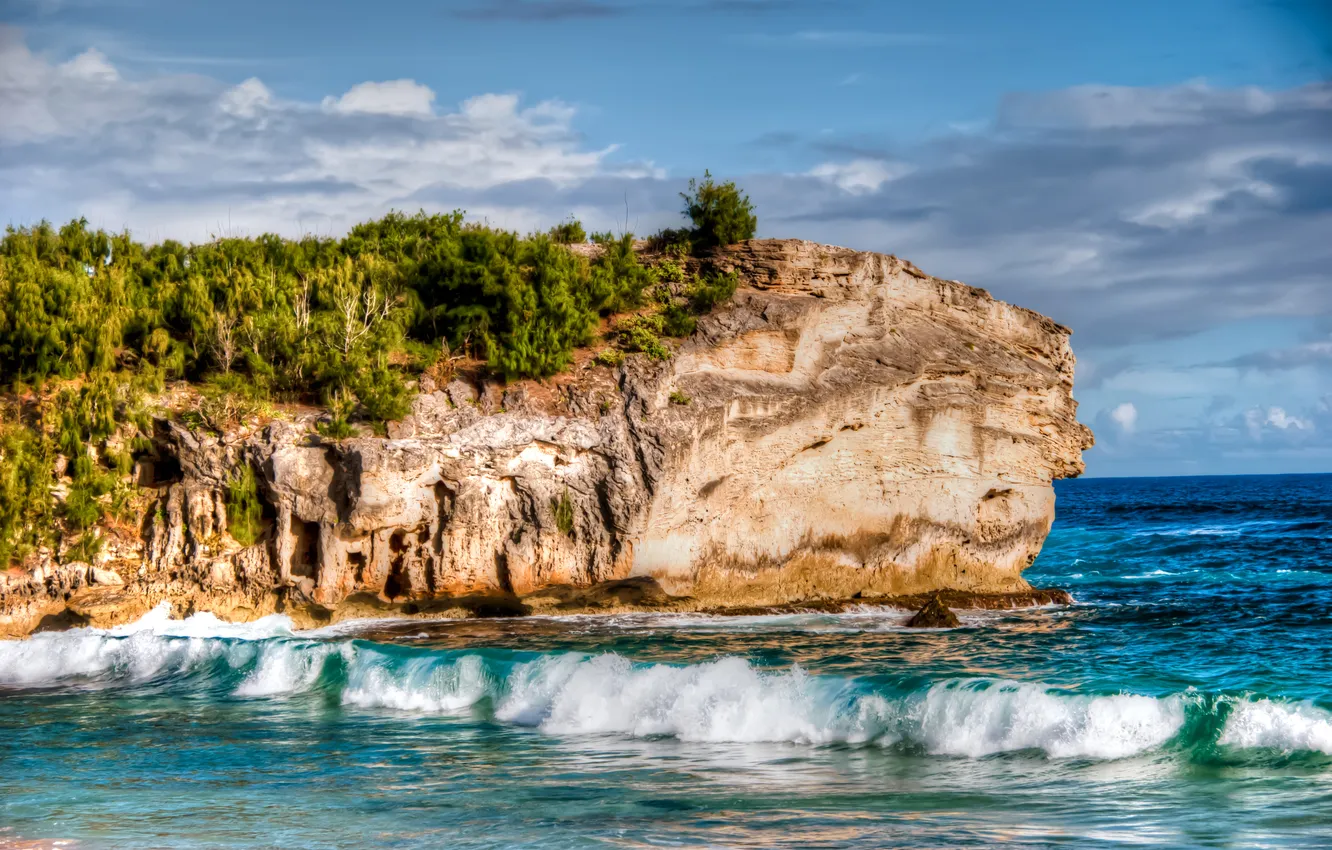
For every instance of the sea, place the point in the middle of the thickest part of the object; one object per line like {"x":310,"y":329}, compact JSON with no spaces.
{"x":1183,"y":700}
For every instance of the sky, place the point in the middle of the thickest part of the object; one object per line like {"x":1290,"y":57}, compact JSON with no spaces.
{"x":1155,"y":176}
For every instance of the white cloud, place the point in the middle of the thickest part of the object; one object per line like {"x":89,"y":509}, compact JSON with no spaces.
{"x":185,"y":156}
{"x":1106,"y":107}
{"x":1125,"y":416}
{"x":1172,"y":211}
{"x":860,"y":176}
{"x":247,"y":99}
{"x":395,"y":97}
{"x":1258,"y":421}
{"x":1278,"y":418}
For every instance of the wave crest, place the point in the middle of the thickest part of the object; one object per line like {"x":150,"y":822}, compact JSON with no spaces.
{"x":726,"y":700}
{"x":1263,"y":723}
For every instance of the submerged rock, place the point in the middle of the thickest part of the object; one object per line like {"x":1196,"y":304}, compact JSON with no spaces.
{"x":855,"y":426}
{"x":935,"y":615}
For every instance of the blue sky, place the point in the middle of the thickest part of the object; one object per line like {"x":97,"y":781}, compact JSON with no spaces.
{"x":1157,"y":176}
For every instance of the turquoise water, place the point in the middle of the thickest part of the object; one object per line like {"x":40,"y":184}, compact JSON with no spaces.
{"x":1185,"y":700}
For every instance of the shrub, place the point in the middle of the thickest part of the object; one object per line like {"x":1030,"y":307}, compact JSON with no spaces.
{"x":721,"y":214}
{"x":671,"y":240}
{"x":244,"y":511}
{"x":680,"y":398}
{"x":712,"y":290}
{"x":340,"y":405}
{"x":677,"y":321}
{"x":563,"y":510}
{"x":336,"y":428}
{"x":569,"y":232}
{"x":382,"y":394}
{"x":642,"y":333}
{"x":609,"y":357}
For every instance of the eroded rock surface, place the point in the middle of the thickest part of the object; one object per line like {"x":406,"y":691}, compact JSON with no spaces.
{"x":846,"y":425}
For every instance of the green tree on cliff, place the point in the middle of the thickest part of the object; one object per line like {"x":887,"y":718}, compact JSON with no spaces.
{"x":721,"y":213}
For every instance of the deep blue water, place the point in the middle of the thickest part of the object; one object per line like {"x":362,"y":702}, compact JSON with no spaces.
{"x":1184,"y":701}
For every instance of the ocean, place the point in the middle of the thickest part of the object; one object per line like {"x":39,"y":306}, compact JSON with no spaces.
{"x":1185,"y":700}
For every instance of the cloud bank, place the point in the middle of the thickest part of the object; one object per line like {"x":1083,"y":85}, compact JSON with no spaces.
{"x":182,"y":155}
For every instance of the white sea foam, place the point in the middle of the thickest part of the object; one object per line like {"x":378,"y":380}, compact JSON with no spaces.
{"x":730,"y":700}
{"x":725,"y":700}
{"x":1154,"y":574}
{"x":981,"y":717}
{"x":153,"y":646}
{"x":204,"y":625}
{"x":421,"y":684}
{"x":1263,"y":723}
{"x":287,"y":668}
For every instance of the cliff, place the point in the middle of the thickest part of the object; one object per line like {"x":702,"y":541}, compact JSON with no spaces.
{"x":847,"y":426}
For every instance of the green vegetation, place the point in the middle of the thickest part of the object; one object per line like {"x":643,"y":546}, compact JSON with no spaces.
{"x":643,"y":334}
{"x":680,"y":398}
{"x":712,"y":290}
{"x":27,"y":507}
{"x":721,"y":214}
{"x":244,"y":511}
{"x":569,"y":232}
{"x":562,"y":508}
{"x":92,"y":322}
{"x":300,"y":318}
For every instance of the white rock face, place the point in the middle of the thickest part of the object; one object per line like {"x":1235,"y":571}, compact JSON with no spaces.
{"x":846,"y":425}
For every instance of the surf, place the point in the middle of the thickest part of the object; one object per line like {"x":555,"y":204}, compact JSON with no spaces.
{"x":728,"y":699}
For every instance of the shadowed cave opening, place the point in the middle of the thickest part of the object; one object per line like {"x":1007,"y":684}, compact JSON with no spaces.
{"x":398,"y":584}
{"x":356,"y":563}
{"x":158,"y":471}
{"x":304,"y":553}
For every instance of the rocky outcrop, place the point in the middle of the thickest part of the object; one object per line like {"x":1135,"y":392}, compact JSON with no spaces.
{"x":846,"y":426}
{"x":934,"y":615}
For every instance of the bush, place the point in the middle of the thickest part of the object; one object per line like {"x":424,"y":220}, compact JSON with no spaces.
{"x":244,"y":511}
{"x":340,"y":404}
{"x":710,"y":291}
{"x":563,"y":510}
{"x":609,"y":357}
{"x":677,"y":321}
{"x":382,"y":393}
{"x":680,"y":398}
{"x":225,"y":401}
{"x":569,"y":232}
{"x":642,"y":334}
{"x":671,"y":240}
{"x":720,"y":213}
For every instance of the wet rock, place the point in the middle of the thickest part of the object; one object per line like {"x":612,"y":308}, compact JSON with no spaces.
{"x":935,"y":615}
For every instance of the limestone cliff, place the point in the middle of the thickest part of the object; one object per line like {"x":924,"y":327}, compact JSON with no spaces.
{"x":847,"y":425}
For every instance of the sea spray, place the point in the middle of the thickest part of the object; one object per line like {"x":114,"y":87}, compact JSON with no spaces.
{"x":1263,"y":723}
{"x":722,"y":701}
{"x":978,"y":717}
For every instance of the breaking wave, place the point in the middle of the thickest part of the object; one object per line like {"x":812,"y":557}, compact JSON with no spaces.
{"x":726,"y":700}
{"x":1290,"y":727}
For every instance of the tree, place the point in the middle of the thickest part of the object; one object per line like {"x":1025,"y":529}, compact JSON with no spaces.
{"x":721,"y":214}
{"x":360,"y":303}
